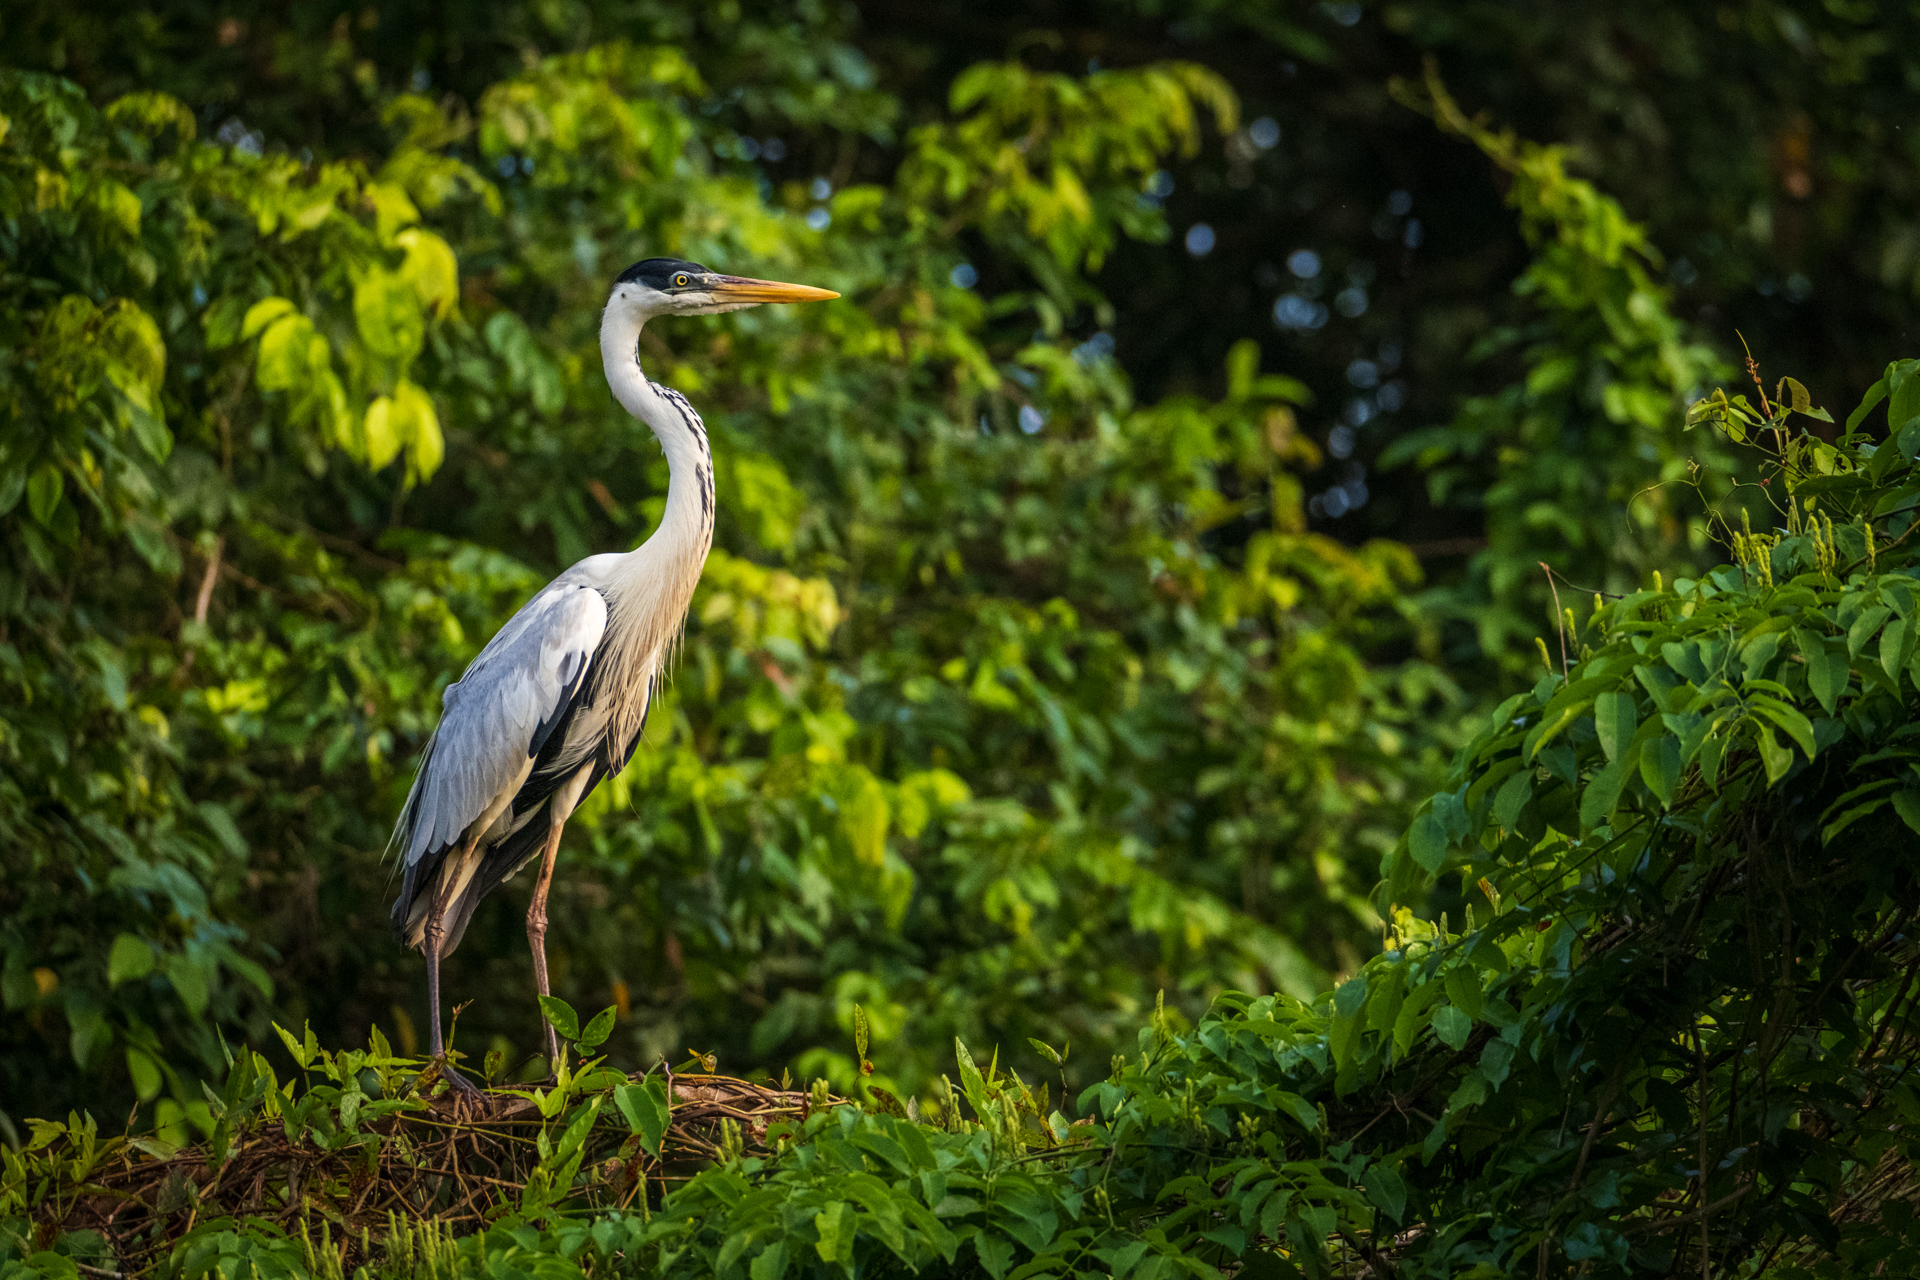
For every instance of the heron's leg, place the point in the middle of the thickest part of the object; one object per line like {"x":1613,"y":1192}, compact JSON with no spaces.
{"x":537,"y":935}
{"x":434,"y":944}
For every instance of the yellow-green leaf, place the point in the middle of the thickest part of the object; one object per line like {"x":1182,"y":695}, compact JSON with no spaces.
{"x":129,"y":959}
{"x":263,"y":313}
{"x":419,"y":428}
{"x":382,"y":432}
{"x":430,"y":268}
{"x":386,"y":311}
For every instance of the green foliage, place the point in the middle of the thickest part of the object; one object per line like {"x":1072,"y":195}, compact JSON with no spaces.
{"x":978,"y":714}
{"x":1582,"y":466}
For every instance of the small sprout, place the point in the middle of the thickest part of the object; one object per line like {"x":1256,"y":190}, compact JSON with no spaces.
{"x":861,"y":1039}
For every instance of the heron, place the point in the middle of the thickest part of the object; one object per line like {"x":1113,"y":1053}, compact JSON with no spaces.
{"x":557,"y":699}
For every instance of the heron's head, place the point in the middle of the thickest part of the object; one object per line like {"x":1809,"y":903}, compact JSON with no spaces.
{"x":674,"y":287}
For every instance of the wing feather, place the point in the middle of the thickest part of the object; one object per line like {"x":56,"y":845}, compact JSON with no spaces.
{"x":496,"y":719}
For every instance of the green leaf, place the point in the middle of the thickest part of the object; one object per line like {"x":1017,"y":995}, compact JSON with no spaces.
{"x":1351,"y":996}
{"x":647,"y":1110}
{"x":1383,"y":1002}
{"x":1512,"y":798}
{"x":1685,"y":659}
{"x":1386,"y":1188}
{"x":145,"y":1073}
{"x":1896,"y":648}
{"x":263,"y":313}
{"x":1905,"y":404}
{"x":995,"y":1252}
{"x":386,"y":310}
{"x":1602,"y":793}
{"x":189,"y":983}
{"x":1864,"y":627}
{"x":44,"y":488}
{"x":1413,"y":1016}
{"x":1614,"y":720}
{"x":385,"y":427}
{"x":1827,"y":669}
{"x":1660,"y":767}
{"x":1875,"y":394}
{"x":1549,"y":729}
{"x":1427,"y":842}
{"x":1452,"y":1025}
{"x":1906,"y":803}
{"x":1046,"y":1051}
{"x":972,"y":1083}
{"x":418,"y":427}
{"x":290,"y":353}
{"x":1795,"y":394}
{"x":770,"y":1263}
{"x":835,"y":1223}
{"x":561,"y":1015}
{"x":1790,"y":720}
{"x":1778,"y":759}
{"x":1465,"y":990}
{"x":1341,"y":1039}
{"x":595,"y":1033}
{"x":131,"y":958}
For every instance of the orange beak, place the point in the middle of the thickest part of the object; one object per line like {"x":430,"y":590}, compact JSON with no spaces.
{"x":743,"y":289}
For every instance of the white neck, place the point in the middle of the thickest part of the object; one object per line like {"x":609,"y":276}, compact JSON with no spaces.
{"x":686,"y":527}
{"x":651,"y":586}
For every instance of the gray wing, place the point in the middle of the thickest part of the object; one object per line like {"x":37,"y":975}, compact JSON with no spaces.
{"x":496,"y":718}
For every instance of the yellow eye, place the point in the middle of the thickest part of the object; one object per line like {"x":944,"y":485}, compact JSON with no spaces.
{"x":681,"y":281}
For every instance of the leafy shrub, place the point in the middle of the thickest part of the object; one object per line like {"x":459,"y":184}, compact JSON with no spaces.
{"x":1670,"y":1026}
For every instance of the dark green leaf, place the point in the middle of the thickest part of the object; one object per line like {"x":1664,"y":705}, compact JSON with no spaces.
{"x":1452,"y":1026}
{"x":646,"y":1110}
{"x":1427,"y":842}
{"x":1602,"y":793}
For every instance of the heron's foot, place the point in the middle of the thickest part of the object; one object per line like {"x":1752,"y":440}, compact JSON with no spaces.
{"x":464,"y":1093}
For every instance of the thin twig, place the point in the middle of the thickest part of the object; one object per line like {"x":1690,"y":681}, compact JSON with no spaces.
{"x":211,"y":576}
{"x":1559,"y":620}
